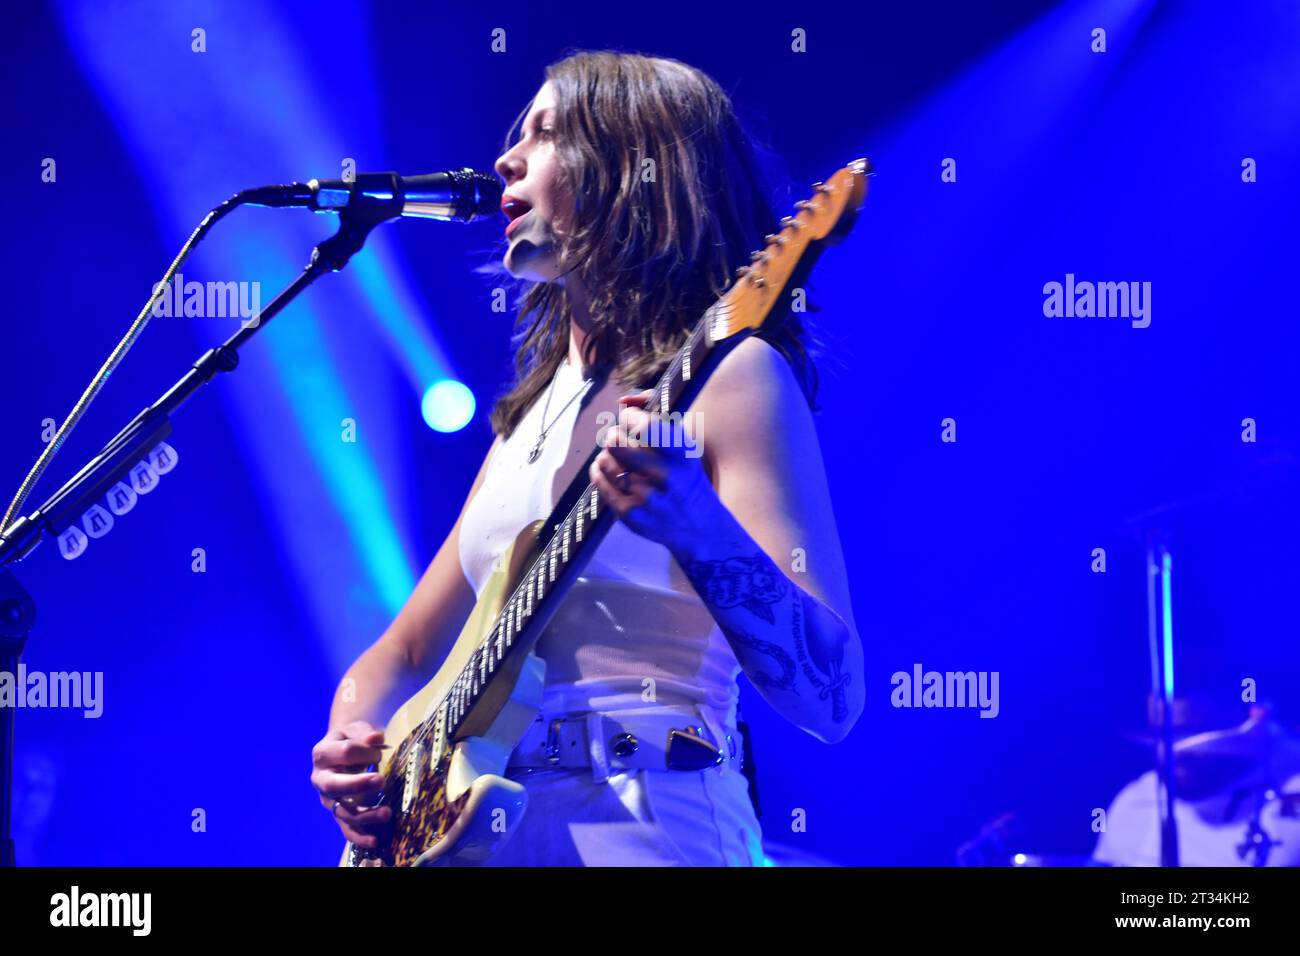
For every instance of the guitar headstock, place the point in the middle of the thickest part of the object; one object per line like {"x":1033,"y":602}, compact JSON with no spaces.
{"x":823,"y":219}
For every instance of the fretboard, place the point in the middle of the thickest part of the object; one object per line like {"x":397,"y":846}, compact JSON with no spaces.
{"x":567,"y":539}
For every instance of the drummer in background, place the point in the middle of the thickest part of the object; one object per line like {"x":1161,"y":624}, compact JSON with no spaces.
{"x":1237,"y":801}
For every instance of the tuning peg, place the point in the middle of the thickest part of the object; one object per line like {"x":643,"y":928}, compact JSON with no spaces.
{"x":774,"y":239}
{"x":803,"y":204}
{"x":821,"y":187}
{"x":742,"y":271}
{"x":790,"y":222}
{"x":758,"y":257}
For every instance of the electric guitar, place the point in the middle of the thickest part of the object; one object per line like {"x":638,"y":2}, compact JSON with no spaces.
{"x":445,"y":781}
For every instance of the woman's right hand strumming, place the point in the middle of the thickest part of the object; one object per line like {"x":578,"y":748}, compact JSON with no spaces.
{"x":340,"y":774}
{"x":398,"y":664}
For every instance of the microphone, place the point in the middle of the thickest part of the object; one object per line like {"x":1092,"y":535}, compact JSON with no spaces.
{"x":460,"y":195}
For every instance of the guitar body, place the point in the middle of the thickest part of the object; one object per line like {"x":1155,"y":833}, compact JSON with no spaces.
{"x":451,"y":803}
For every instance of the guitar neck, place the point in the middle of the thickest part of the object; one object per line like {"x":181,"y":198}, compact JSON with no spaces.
{"x":569,"y":537}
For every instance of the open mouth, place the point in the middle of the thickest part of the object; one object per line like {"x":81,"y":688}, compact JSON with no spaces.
{"x":514,"y":222}
{"x":514,"y":209}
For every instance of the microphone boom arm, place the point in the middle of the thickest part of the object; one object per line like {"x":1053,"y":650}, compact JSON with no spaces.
{"x":134,"y":442}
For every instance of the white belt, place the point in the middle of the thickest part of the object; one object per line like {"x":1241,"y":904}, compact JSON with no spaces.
{"x":658,"y":738}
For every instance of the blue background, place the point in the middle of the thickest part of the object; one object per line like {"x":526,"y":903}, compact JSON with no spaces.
{"x":974,"y":555}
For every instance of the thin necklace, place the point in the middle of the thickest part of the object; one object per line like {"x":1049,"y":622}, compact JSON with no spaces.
{"x":541,"y":435}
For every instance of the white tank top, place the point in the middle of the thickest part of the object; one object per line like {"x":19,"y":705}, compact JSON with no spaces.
{"x":631,"y":617}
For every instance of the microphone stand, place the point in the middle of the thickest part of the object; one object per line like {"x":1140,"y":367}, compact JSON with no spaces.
{"x":131,"y":445}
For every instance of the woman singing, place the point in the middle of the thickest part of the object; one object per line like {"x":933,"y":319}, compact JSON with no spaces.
{"x":633,"y":195}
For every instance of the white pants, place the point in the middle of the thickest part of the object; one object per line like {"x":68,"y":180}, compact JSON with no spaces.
{"x":636,"y":818}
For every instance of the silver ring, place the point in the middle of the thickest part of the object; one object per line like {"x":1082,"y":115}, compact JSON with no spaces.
{"x":621,"y":480}
{"x":334,"y":810}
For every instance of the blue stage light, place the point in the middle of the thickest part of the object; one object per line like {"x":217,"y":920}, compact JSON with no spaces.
{"x":448,"y":405}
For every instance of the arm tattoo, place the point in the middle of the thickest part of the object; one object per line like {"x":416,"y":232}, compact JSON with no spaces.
{"x":775,"y":651}
{"x":753,"y":583}
{"x":829,"y":677}
{"x":758,"y":585}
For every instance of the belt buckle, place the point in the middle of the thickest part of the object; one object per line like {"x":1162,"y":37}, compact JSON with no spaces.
{"x":688,"y":749}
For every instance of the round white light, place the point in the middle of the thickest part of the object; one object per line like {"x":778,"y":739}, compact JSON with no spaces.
{"x":447,"y":406}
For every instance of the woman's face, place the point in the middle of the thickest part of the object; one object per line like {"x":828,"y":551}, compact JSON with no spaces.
{"x":533,"y":200}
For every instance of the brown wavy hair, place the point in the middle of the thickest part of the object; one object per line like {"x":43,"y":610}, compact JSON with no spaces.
{"x":653,"y":255}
